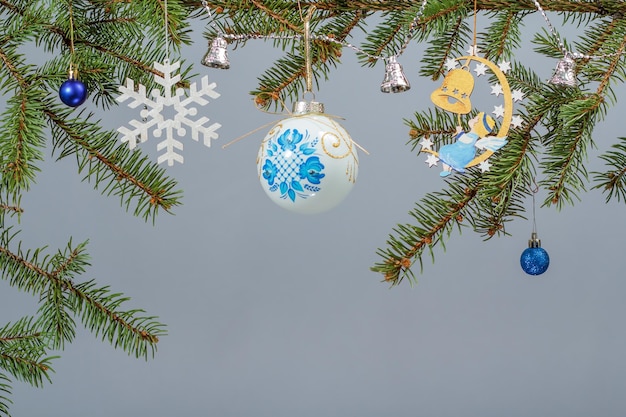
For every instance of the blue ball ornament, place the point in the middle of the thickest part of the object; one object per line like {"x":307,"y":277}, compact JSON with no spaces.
{"x":73,"y":92}
{"x":534,"y":259}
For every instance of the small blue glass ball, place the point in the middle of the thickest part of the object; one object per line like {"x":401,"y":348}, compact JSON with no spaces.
{"x":73,"y":92}
{"x":534,"y":260}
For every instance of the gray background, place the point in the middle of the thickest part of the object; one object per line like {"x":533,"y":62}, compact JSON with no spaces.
{"x":272,"y":313}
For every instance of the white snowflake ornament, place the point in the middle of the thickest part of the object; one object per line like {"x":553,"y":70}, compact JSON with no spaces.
{"x":152,"y":115}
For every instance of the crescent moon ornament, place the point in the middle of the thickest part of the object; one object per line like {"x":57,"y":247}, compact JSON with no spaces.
{"x":454,"y":96}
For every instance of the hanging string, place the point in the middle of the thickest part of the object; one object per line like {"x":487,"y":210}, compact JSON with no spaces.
{"x":167,"y":45}
{"x":562,"y":45}
{"x":71,"y":13}
{"x":300,"y":11}
{"x":208,"y":10}
{"x":534,"y":189}
{"x":329,"y":39}
{"x":411,"y":31}
{"x":475,"y":24}
{"x":307,"y":50}
{"x":71,"y":16}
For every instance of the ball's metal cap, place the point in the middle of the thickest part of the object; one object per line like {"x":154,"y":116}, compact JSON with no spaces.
{"x":534,"y":241}
{"x":304,"y":107}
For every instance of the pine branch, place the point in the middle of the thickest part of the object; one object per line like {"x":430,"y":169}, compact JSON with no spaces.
{"x":287,"y":79}
{"x":10,"y":6}
{"x":21,"y":129}
{"x":5,"y":392}
{"x":284,"y":80}
{"x":21,"y":137}
{"x":114,"y":40}
{"x":447,"y":42}
{"x":99,"y":309}
{"x":503,"y":35}
{"x":603,"y":8}
{"x":484,"y":202}
{"x":386,"y":37}
{"x":613,"y":181}
{"x":278,"y":17}
{"x":22,"y":354}
{"x":410,"y":241}
{"x":107,"y":56}
{"x":53,"y":279}
{"x":9,"y":208}
{"x":566,"y":164}
{"x":25,"y":368}
{"x":434,"y":123}
{"x":557,"y":121}
{"x":130,"y":175}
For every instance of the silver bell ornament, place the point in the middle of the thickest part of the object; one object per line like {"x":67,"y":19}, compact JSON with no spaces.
{"x":564,"y":73}
{"x":217,"y":57}
{"x":395,"y":81}
{"x":307,"y":163}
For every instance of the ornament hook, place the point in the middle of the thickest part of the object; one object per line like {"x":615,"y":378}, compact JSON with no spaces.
{"x":73,"y":72}
{"x":534,"y":190}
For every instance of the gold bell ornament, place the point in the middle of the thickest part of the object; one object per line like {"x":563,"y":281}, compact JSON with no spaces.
{"x":217,"y":57}
{"x":395,"y":81}
{"x":564,"y":74}
{"x":454,"y":93}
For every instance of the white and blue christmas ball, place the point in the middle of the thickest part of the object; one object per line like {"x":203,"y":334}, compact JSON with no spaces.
{"x":307,"y":163}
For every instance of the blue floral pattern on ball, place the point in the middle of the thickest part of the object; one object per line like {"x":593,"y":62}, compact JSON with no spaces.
{"x":289,"y":139}
{"x":290,"y":166}
{"x":269,"y":171}
{"x":311,"y":170}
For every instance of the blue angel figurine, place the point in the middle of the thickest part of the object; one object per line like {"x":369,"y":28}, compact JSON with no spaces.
{"x":460,"y":153}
